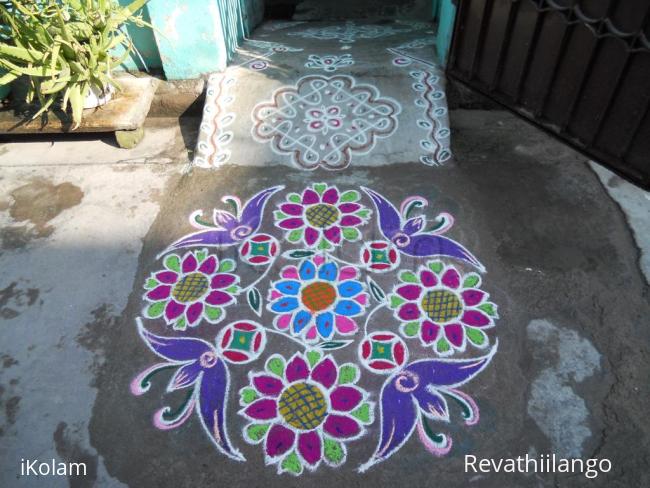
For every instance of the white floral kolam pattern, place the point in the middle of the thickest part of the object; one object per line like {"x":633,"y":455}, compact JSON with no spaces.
{"x":329,"y":96}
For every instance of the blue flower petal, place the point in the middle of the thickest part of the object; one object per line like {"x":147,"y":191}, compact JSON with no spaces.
{"x":307,"y":270}
{"x":285,"y":304}
{"x":328,"y":272}
{"x":325,"y":324}
{"x":288,"y":287}
{"x":300,"y":321}
{"x":348,"y":308}
{"x":350,"y":288}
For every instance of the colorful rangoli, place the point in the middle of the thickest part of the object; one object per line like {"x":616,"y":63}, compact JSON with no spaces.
{"x":306,"y":408}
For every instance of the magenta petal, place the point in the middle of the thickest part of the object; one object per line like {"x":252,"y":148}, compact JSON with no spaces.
{"x":350,"y":221}
{"x":331,"y":196}
{"x":292,"y":209}
{"x":341,"y":426}
{"x":475,"y":318}
{"x":409,"y":292}
{"x":167,"y":277}
{"x":451,"y":278}
{"x":455,"y":334}
{"x":189,"y":263}
{"x":208,"y":266}
{"x":325,"y":373}
{"x":311,"y":236}
{"x":267,"y":385}
{"x":264,"y":409}
{"x":159,"y":293}
{"x":347,"y":208}
{"x":309,"y":447}
{"x":218,"y":298}
{"x":472,"y":297}
{"x":279,"y":440}
{"x":408,"y":312}
{"x":309,"y":197}
{"x":345,"y":398}
{"x":222,"y":281}
{"x":297,"y":369}
{"x":173,"y":310}
{"x":194,"y":312}
{"x":291,"y":223}
{"x":333,"y":234}
{"x":429,"y":331}
{"x":428,"y":279}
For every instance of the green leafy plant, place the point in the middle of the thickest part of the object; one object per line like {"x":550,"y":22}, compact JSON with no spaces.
{"x":64,"y":47}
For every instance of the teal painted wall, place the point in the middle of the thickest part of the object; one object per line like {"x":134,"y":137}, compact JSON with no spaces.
{"x":147,"y":55}
{"x":191,"y":37}
{"x":445,"y":13}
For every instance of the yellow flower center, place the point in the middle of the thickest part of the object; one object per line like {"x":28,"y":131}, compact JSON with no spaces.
{"x":303,"y":406}
{"x":441,"y":305}
{"x":190,"y":288}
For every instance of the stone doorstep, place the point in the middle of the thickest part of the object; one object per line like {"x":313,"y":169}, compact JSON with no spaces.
{"x":126,"y":111}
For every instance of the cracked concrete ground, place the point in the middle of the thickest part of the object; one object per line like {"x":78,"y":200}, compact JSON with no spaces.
{"x":565,"y":245}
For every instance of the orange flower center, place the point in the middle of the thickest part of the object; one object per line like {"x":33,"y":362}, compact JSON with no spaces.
{"x":318,"y":296}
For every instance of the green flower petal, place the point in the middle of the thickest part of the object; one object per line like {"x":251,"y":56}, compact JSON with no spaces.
{"x":320,"y":188}
{"x":280,"y":215}
{"x":351,"y":234}
{"x":151,"y":284}
{"x":213,"y":314}
{"x":333,"y":452}
{"x":396,"y":301}
{"x":324,"y":245}
{"x":489,"y":308}
{"x":201,"y":255}
{"x":442,"y":346}
{"x":363,"y":413}
{"x":476,"y":336}
{"x":348,"y":373}
{"x":255,"y":433}
{"x":350,"y":196}
{"x":436,"y":266}
{"x":294,"y":198}
{"x":173,"y":263}
{"x":155,"y":310}
{"x":295,"y":235}
{"x":411,"y":329}
{"x":291,"y":464}
{"x":313,"y":357}
{"x":472,"y":280}
{"x":226,"y":265}
{"x":247,"y":395}
{"x":180,"y":324}
{"x":408,"y":277}
{"x":275,"y":365}
{"x":364,"y":214}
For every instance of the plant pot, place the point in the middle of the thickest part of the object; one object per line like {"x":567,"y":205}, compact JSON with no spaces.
{"x":97,"y":98}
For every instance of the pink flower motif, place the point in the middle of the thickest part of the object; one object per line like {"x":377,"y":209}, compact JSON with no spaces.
{"x":191,"y":288}
{"x":323,"y":119}
{"x":322,"y":216}
{"x":304,"y":410}
{"x":443,"y":307}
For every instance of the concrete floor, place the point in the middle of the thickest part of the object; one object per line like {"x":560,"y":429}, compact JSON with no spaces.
{"x":566,"y":244}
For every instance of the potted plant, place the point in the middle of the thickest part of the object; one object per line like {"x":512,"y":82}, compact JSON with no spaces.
{"x":66,"y":49}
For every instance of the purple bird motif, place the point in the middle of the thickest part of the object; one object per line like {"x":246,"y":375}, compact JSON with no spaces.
{"x":418,"y":393}
{"x":228,"y":228}
{"x":199,"y":369}
{"x":412,"y":236}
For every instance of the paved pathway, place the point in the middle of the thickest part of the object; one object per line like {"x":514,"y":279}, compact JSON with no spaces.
{"x":333,"y":316}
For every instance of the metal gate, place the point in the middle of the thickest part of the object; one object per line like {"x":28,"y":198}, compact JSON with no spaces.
{"x":578,"y":68}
